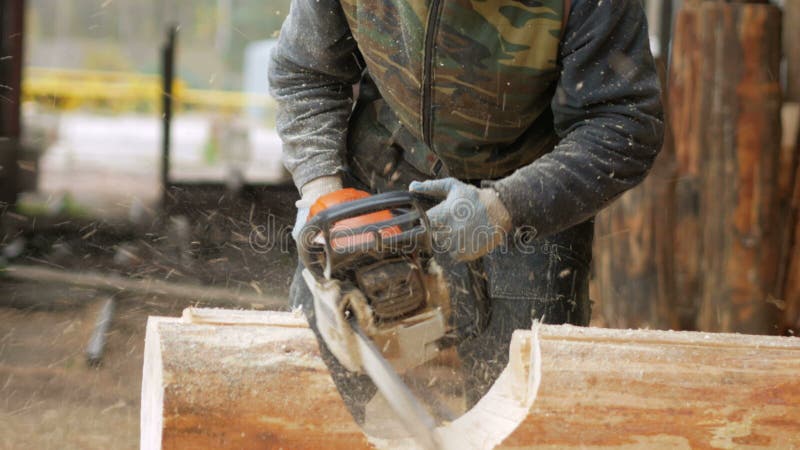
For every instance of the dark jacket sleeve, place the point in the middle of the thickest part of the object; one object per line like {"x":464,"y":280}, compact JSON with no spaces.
{"x":608,"y":115}
{"x":311,"y":73}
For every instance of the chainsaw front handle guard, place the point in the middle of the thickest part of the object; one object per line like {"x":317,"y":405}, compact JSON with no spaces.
{"x":408,"y":217}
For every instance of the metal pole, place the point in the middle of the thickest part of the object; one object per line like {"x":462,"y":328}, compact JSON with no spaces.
{"x":167,"y":75}
{"x":97,"y":342}
{"x":11,"y":50}
{"x":665,"y":35}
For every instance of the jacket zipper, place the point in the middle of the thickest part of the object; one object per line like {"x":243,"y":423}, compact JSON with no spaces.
{"x":427,"y":75}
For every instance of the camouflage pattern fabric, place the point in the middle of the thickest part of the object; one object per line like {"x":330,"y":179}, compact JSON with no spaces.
{"x":479,"y":72}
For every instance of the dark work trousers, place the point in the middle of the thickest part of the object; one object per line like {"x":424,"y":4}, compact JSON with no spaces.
{"x":523,"y":280}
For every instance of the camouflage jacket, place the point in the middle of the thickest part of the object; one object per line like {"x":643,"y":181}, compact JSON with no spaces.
{"x":560,"y":105}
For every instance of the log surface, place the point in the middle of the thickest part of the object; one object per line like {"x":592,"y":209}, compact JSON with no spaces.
{"x":240,"y":385}
{"x":255,"y":380}
{"x":654,"y":389}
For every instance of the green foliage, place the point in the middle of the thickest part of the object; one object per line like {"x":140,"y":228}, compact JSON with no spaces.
{"x":66,"y":206}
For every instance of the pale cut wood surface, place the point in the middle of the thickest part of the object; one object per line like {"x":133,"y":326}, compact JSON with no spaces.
{"x":238,"y":382}
{"x":255,"y":385}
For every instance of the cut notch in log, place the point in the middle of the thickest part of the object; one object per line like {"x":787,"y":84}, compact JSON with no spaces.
{"x":233,"y":380}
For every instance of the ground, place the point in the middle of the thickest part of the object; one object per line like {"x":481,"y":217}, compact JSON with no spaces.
{"x":49,"y":396}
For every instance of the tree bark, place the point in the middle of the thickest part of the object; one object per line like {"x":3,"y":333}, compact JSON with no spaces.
{"x":238,"y":379}
{"x":725,"y":109}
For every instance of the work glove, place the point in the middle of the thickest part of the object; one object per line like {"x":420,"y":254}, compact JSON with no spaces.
{"x":469,"y":222}
{"x":310,"y":192}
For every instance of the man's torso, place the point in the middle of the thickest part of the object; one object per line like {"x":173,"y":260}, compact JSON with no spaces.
{"x":470,"y":79}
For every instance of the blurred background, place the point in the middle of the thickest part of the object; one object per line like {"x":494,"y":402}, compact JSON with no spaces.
{"x":140,"y":174}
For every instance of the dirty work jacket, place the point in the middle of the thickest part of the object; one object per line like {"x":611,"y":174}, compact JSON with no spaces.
{"x":559,"y":103}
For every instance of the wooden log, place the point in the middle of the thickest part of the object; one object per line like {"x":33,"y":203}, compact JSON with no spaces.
{"x":683,"y":105}
{"x":791,"y":298}
{"x":258,"y":384}
{"x":742,"y":140}
{"x":790,"y":187}
{"x":725,"y":106}
{"x":633,"y":283}
{"x":655,"y":389}
{"x":222,"y":379}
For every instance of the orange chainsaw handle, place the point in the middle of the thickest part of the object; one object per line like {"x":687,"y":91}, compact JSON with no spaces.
{"x":335,"y":198}
{"x":346,"y":224}
{"x":348,"y":195}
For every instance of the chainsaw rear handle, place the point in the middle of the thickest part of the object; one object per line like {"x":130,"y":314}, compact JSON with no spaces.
{"x":409,"y":216}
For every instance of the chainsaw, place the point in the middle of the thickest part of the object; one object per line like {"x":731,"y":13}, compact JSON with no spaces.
{"x":377,"y":253}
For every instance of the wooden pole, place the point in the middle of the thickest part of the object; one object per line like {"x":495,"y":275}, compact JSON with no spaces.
{"x":791,"y":48}
{"x":725,"y":108}
{"x":634,"y":266}
{"x":791,"y":162}
{"x":740,"y":261}
{"x":790,"y":187}
{"x":634,"y":283}
{"x":684,"y":93}
{"x":246,"y":379}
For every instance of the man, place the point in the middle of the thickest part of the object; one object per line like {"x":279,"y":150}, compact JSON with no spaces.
{"x":534,"y":114}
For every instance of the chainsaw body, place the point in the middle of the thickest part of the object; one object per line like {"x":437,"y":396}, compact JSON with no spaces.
{"x":377,"y":250}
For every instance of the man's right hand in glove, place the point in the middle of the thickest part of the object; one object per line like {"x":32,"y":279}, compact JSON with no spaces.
{"x":468,"y":222}
{"x":310,"y":192}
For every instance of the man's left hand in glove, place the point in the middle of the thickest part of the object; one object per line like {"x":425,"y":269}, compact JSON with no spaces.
{"x":469,"y":222}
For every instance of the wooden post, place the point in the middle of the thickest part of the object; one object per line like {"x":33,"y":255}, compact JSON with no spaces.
{"x":790,"y":188}
{"x":683,"y":105}
{"x":240,"y":379}
{"x":725,"y":110}
{"x":791,"y":48}
{"x":634,"y":282}
{"x":790,"y":180}
{"x":742,"y":145}
{"x":633,"y":256}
